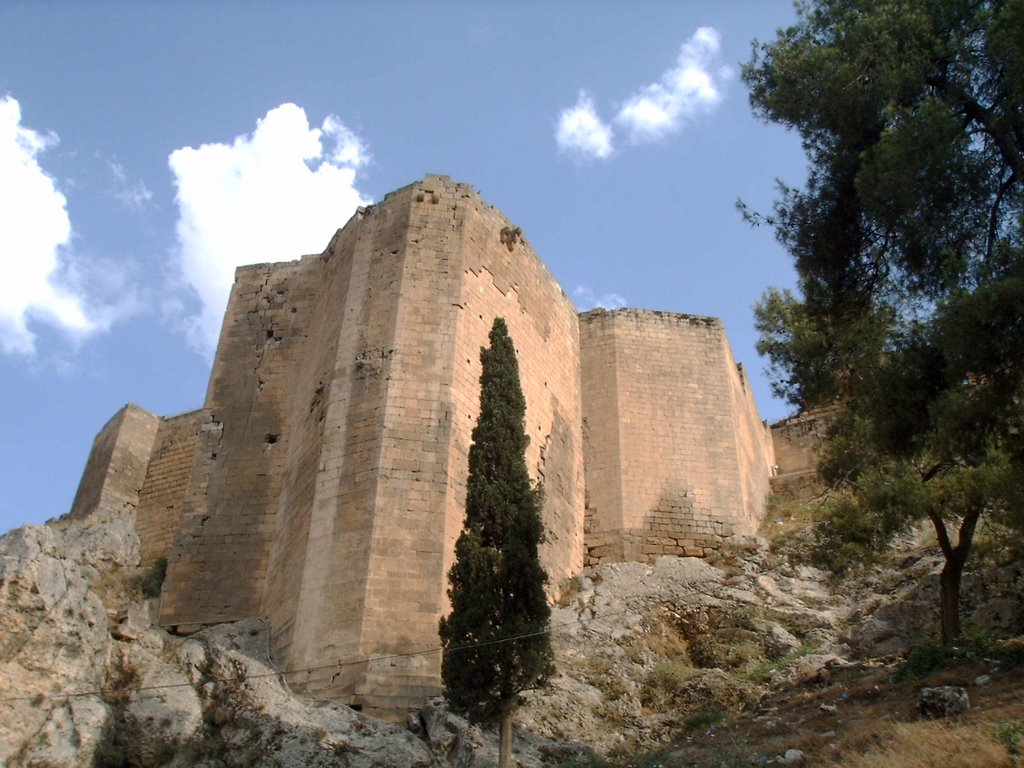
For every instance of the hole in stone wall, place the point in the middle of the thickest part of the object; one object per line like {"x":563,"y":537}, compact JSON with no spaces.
{"x":270,"y":438}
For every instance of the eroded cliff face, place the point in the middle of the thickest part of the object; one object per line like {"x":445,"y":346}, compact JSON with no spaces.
{"x":86,"y":678}
{"x":54,"y":639}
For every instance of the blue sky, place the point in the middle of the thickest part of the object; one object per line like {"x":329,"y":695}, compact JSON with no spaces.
{"x":146,"y":150}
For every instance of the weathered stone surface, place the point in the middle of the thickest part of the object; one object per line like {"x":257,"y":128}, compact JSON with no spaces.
{"x":165,"y":716}
{"x":460,"y":744}
{"x":676,"y":457}
{"x":53,"y":641}
{"x":79,"y":686}
{"x":778,"y":640}
{"x":216,"y":699}
{"x":943,"y":701}
{"x":628,"y":619}
{"x":794,"y":757}
{"x":259,"y":717}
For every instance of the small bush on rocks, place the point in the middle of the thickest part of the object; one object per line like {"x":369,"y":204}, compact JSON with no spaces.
{"x":152,"y":579}
{"x":662,"y":682}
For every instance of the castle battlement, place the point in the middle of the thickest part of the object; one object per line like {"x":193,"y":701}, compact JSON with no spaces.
{"x":321,"y":486}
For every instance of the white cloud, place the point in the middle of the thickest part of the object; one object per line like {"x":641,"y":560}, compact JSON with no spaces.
{"x":692,"y":87}
{"x":272,"y":195}
{"x":34,"y":228}
{"x":587,"y":299}
{"x":133,"y":195}
{"x":349,"y":149}
{"x":581,"y":131}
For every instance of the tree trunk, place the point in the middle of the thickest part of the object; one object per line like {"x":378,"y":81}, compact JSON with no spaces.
{"x":949,"y":599}
{"x":505,"y":742}
{"x":952,"y":571}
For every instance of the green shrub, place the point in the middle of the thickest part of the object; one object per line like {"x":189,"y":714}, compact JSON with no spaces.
{"x":662,"y":682}
{"x":845,"y":537}
{"x":606,"y":677}
{"x":1011,"y":736}
{"x":708,"y":654}
{"x":923,"y":660}
{"x":974,"y":643}
{"x":700,"y":720}
{"x":152,"y":579}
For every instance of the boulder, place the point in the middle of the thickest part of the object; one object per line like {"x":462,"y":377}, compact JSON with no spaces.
{"x":943,"y":701}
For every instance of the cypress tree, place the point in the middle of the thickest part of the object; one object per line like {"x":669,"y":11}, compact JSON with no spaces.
{"x":495,"y":642}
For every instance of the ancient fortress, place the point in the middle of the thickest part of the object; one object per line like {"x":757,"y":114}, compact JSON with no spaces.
{"x":321,"y":486}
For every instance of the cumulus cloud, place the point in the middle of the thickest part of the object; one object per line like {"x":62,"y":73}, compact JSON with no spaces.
{"x":272,"y":195}
{"x":586,"y":299}
{"x":691,"y":88}
{"x":581,"y":131}
{"x":34,"y":230}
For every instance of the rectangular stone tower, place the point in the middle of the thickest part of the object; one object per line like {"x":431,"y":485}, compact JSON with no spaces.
{"x":676,"y":455}
{"x":328,"y":485}
{"x":322,"y":485}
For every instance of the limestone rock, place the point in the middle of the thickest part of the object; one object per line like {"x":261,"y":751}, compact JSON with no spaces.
{"x":140,"y":696}
{"x":460,"y":744}
{"x":257,"y":716}
{"x":53,"y":641}
{"x":892,"y":627}
{"x":165,"y":716}
{"x":68,"y":736}
{"x":714,"y":689}
{"x":943,"y":701}
{"x":104,"y":541}
{"x":794,"y":757}
{"x":778,"y":640}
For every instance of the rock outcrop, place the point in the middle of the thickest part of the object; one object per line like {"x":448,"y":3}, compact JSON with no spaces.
{"x":87,"y":678}
{"x":55,"y":643}
{"x":642,"y":650}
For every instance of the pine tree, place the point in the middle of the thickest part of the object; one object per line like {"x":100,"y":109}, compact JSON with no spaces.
{"x":494,"y":639}
{"x":908,"y":240}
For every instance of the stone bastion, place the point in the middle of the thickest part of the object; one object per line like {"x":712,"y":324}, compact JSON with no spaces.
{"x":321,"y":485}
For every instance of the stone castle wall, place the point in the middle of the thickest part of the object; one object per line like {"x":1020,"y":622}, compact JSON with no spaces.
{"x":219,"y":568}
{"x":677,"y":458}
{"x":115,"y":471}
{"x":797,"y":442}
{"x":328,"y":487}
{"x":322,"y":484}
{"x":161,"y":500}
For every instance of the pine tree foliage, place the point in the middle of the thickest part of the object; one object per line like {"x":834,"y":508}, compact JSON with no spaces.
{"x":494,"y":639}
{"x":908,"y":240}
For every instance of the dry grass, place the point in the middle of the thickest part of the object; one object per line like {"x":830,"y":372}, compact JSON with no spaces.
{"x":661,"y":640}
{"x":927,"y":744}
{"x":871,"y":720}
{"x":606,"y":676}
{"x":786,"y":516}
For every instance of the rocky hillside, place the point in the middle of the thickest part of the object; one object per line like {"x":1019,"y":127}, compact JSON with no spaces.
{"x":653,"y":660}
